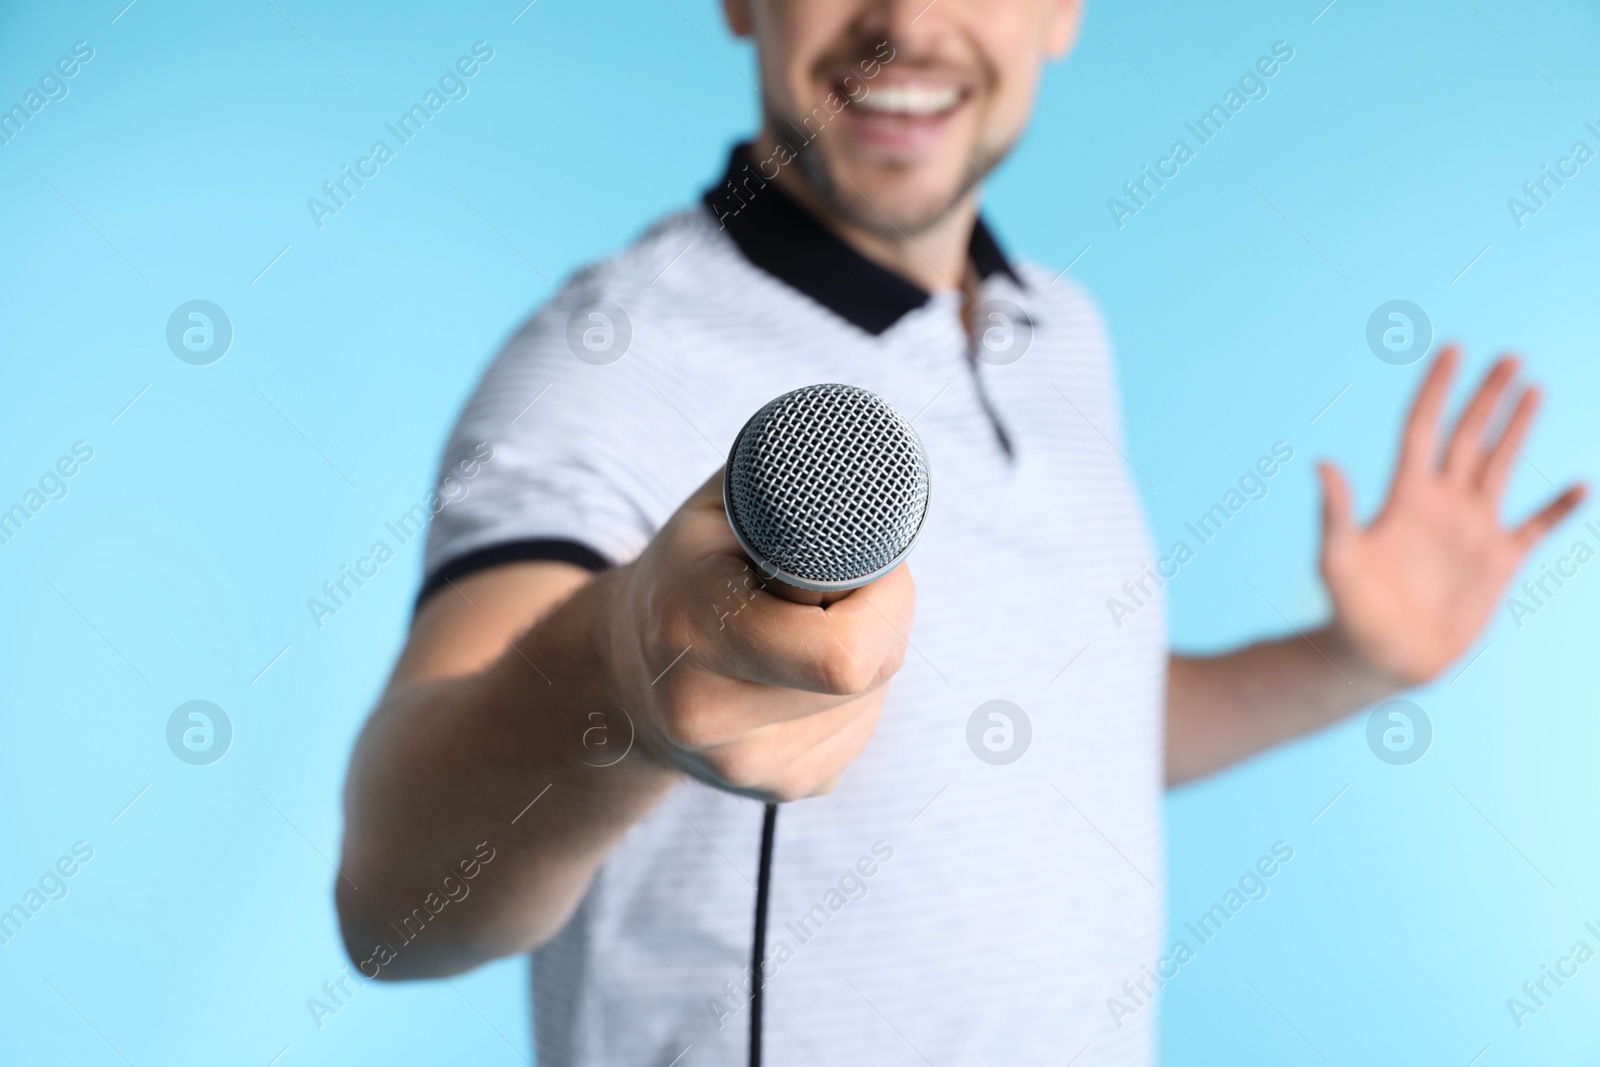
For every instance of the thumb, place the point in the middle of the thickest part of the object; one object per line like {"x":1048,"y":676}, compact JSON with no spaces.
{"x":1337,"y":511}
{"x":709,"y":496}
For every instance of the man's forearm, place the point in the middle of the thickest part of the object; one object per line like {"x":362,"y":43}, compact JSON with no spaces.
{"x":499,"y":757}
{"x":1221,"y":709}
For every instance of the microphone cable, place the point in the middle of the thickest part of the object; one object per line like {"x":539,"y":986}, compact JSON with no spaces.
{"x":769,"y":825}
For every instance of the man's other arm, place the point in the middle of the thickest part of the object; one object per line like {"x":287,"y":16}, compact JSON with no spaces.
{"x":1411,"y":592}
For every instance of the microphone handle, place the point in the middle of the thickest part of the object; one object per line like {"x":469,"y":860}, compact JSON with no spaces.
{"x":810,"y":597}
{"x":815,"y":598}
{"x":794,"y":594}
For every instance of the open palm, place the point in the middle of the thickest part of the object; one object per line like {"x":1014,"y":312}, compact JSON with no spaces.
{"x":1412,"y":591}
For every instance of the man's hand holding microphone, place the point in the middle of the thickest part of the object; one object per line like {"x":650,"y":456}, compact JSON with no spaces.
{"x":746,"y":691}
{"x":740,"y":648}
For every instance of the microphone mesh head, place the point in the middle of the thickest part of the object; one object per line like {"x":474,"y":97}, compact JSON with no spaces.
{"x":826,"y":487}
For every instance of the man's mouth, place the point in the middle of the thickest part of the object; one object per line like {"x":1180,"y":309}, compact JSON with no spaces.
{"x":911,"y":100}
{"x":904,"y":116}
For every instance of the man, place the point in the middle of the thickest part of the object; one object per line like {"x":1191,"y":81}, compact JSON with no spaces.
{"x":597,"y":694}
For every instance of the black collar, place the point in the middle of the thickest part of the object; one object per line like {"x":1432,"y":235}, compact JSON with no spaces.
{"x":782,"y":238}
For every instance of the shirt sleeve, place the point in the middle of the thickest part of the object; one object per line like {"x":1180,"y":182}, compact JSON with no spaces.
{"x":571,"y":447}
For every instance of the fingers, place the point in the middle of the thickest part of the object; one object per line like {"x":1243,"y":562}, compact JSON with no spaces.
{"x":1495,"y":469}
{"x":709,"y":496}
{"x":1534,"y":530}
{"x":1337,"y":510}
{"x":708,"y":617}
{"x":1464,"y":458}
{"x":746,"y":690}
{"x":721,"y":710}
{"x":795,"y":758}
{"x":1422,"y":425}
{"x":817,"y":771}
{"x":1478,"y":455}
{"x":724,"y":715}
{"x":842,"y":650}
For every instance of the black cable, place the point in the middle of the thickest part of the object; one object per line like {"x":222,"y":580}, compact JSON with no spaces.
{"x":769,"y":824}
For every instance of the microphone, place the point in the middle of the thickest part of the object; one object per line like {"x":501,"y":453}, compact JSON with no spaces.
{"x":826,"y":489}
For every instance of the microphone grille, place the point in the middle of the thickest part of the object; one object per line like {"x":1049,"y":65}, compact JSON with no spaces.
{"x":826,"y":487}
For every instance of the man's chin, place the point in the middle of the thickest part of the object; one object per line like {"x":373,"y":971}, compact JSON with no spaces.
{"x":908,"y":217}
{"x":894,"y":201}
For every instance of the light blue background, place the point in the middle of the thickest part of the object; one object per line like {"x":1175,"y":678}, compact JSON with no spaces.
{"x":181,"y":561}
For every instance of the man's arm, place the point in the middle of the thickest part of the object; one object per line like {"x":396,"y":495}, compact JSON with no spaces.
{"x":1411,"y":592}
{"x":485,"y":742}
{"x":468,"y":733}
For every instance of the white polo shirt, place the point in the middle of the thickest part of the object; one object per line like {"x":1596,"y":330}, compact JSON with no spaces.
{"x":948,"y":903}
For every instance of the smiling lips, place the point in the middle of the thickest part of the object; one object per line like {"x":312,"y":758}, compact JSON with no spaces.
{"x":913,"y":99}
{"x":906,"y":115}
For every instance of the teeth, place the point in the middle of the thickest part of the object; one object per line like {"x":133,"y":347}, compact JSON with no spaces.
{"x":909,"y":99}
